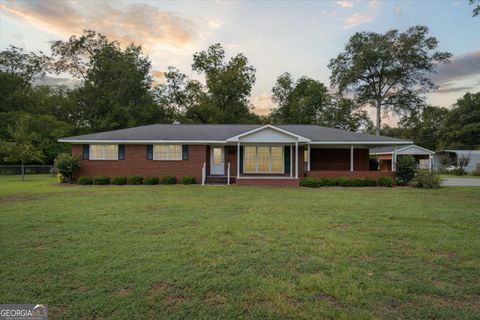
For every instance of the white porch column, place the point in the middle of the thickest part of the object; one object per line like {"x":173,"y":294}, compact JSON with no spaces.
{"x":430,"y":158}
{"x":394,"y":159}
{"x":308,"y":158}
{"x":291,"y":161}
{"x":238,"y":159}
{"x":296,"y":159}
{"x":351,"y":157}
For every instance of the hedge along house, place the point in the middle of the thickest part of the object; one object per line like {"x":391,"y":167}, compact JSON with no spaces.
{"x":242,"y":154}
{"x":388,"y":156}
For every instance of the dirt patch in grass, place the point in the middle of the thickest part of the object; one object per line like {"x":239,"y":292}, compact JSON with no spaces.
{"x":58,"y":311}
{"x":123,"y":292}
{"x":213,"y":298}
{"x":82,"y":288}
{"x":13,"y":199}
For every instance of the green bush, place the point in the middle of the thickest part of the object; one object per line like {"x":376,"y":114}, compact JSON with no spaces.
{"x":120,"y":180}
{"x":406,"y":168}
{"x":476,"y":172}
{"x":101,"y":180}
{"x":188,"y":180}
{"x":168,"y":180}
{"x":310,"y":182}
{"x":150,"y":180}
{"x":357,"y":182}
{"x":84,"y":180}
{"x":369,"y":182}
{"x":67,"y":165}
{"x":343,"y":182}
{"x":385,"y":182}
{"x":426,"y":179}
{"x":328,"y":182}
{"x":135,"y":180}
{"x":458,"y":172}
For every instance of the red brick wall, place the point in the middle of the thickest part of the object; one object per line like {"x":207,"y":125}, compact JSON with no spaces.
{"x":338,"y":159}
{"x":268,"y":182}
{"x":351,"y":174}
{"x":136,"y":163}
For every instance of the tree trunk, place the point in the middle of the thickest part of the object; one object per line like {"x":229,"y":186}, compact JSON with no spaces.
{"x":23,"y":172}
{"x":379,"y":109}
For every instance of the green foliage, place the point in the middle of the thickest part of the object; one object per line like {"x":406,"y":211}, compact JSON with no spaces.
{"x":389,"y":71}
{"x":188,"y":180}
{"x":135,"y":180}
{"x":150,"y":180}
{"x":385,"y":182}
{"x":357,"y":182}
{"x":168,"y":180}
{"x":67,"y":165}
{"x":310,"y":182}
{"x":225,"y":96}
{"x":476,"y":8}
{"x":119,"y":180}
{"x":343,"y":182}
{"x":458,"y":171}
{"x":426,"y":179}
{"x":406,"y":168}
{"x":369,"y":182}
{"x":328,"y":182}
{"x":85,"y":180}
{"x":101,"y":180}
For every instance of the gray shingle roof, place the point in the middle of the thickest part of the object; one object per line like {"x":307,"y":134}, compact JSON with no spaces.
{"x":221,"y":132}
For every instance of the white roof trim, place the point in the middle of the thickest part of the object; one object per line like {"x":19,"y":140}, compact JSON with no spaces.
{"x":300,"y":138}
{"x":143,"y":141}
{"x":405,"y":148}
{"x":363,"y":142}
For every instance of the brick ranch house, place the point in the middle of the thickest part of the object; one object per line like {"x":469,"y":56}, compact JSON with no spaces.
{"x":268,"y":155}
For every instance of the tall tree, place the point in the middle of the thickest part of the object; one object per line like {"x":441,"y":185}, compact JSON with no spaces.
{"x":117,"y":86}
{"x":389,"y":71}
{"x":307,"y":101}
{"x":20,"y":148}
{"x":225,"y":96}
{"x":462,"y":129}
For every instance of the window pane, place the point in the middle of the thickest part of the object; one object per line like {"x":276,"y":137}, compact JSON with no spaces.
{"x":263,"y":159}
{"x":250,"y":159}
{"x":167,"y":152}
{"x":277,"y":159}
{"x":104,"y":152}
{"x":217,"y":156}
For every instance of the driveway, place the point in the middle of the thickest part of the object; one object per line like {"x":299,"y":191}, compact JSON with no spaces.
{"x":461,"y":182}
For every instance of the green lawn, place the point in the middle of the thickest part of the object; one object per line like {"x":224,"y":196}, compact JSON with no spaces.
{"x":468,"y":176}
{"x":239,"y":252}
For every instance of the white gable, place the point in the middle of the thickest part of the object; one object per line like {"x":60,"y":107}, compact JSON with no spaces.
{"x":414,"y":150}
{"x":268,"y":135}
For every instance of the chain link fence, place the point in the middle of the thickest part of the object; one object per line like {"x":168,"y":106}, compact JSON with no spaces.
{"x":29,"y":169}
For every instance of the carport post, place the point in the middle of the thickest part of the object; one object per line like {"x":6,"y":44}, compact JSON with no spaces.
{"x":394,"y":159}
{"x":308,"y":155}
{"x":238,"y":159}
{"x":296,"y":159}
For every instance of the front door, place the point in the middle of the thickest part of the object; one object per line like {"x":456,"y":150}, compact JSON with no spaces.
{"x":217,"y":161}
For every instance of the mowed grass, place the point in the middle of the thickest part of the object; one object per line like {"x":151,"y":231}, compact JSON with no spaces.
{"x":238,"y":252}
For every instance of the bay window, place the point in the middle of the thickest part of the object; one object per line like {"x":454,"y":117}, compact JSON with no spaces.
{"x":263,"y":160}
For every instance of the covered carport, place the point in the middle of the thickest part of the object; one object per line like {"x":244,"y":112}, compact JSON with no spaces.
{"x":388,"y":156}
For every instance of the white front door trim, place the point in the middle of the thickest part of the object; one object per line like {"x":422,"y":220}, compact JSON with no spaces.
{"x":217,"y":160}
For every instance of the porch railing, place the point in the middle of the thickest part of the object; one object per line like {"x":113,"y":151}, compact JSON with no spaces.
{"x":204,"y":173}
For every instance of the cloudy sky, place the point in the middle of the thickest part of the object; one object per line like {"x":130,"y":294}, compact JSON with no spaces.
{"x":276,"y":36}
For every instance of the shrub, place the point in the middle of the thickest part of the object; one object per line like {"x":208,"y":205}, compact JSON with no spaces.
{"x":84,"y":180}
{"x":385,"y":182}
{"x":406,"y":168}
{"x":120,"y":180}
{"x":188,"y":180}
{"x":150,"y":180}
{"x":168,"y":180}
{"x":101,"y":180}
{"x":458,"y":172}
{"x":310,"y":182}
{"x":343,"y":182}
{"x":476,"y":172}
{"x":328,"y":182}
{"x":369,"y":182}
{"x":67,"y":165}
{"x":135,"y":180}
{"x":426,"y":179}
{"x":357,"y":182}
{"x":61,"y":178}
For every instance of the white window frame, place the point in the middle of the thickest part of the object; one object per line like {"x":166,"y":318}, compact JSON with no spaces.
{"x":90,"y":153}
{"x":180,"y":157}
{"x":269,"y":157}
